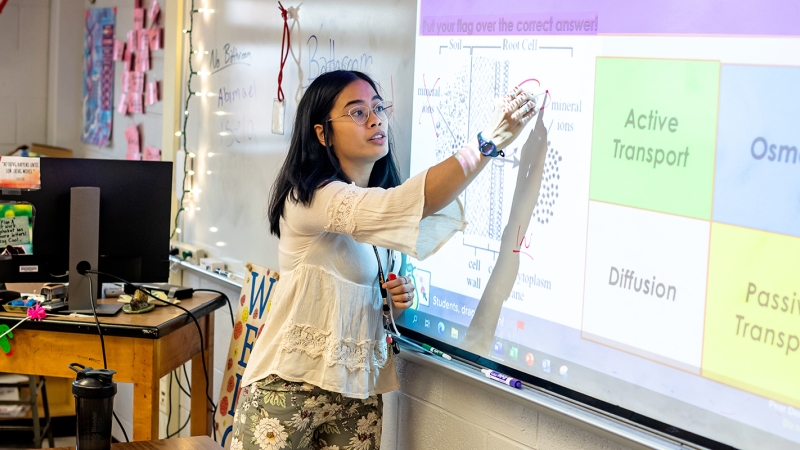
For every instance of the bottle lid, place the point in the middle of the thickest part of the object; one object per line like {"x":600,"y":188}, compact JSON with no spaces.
{"x":93,"y":383}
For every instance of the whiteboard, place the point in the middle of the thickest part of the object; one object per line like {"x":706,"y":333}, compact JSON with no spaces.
{"x":538,"y":287}
{"x":230,"y":132}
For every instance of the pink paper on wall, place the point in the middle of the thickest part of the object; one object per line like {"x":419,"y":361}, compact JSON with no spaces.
{"x":152,"y":93}
{"x":137,"y":3}
{"x":119,"y":50}
{"x":143,"y":60}
{"x":137,"y":82}
{"x":132,"y":138}
{"x":152,"y":154}
{"x":122,"y":106}
{"x":138,"y":18}
{"x":155,"y":38}
{"x":128,"y":58}
{"x":153,"y":12}
{"x":132,"y":35}
{"x":143,"y":40}
{"x":135,"y":106}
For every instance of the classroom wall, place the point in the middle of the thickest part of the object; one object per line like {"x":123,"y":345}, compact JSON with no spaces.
{"x":63,"y":81}
{"x":437,"y":411}
{"x":24,"y":40}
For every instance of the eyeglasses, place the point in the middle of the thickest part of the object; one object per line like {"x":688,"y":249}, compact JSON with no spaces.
{"x":360,"y":113}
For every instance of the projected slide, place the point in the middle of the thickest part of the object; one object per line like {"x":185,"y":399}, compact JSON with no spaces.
{"x":654,"y":264}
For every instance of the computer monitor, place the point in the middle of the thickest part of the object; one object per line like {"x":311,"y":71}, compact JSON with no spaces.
{"x":134,"y":220}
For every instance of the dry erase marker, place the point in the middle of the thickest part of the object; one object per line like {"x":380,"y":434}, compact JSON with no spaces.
{"x":503,"y":378}
{"x":436,"y":352}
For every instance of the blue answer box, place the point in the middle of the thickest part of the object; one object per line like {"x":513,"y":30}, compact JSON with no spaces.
{"x":757,"y":178}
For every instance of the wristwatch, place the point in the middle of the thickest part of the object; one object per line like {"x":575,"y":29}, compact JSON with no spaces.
{"x":488,"y":148}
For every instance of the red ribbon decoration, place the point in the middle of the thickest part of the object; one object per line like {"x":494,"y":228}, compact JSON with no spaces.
{"x":285,"y":45}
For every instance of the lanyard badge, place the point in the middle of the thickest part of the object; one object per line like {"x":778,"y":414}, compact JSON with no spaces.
{"x":387,"y":312}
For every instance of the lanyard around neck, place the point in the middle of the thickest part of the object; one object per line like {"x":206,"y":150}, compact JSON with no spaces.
{"x":381,"y":277}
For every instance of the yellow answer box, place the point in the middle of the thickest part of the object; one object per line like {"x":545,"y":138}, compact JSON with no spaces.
{"x":752,"y":325}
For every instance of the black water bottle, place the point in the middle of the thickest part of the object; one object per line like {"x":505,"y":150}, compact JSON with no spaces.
{"x":94,"y":391}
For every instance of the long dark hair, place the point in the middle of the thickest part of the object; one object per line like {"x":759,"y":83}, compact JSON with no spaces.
{"x":311,"y":165}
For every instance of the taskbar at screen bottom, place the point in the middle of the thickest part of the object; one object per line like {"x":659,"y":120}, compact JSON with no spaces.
{"x":644,"y":406}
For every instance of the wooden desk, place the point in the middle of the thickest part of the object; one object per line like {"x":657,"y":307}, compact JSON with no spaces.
{"x":191,"y":443}
{"x":142,"y":348}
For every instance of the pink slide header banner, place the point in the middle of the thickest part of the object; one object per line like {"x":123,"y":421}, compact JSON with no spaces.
{"x":591,"y":17}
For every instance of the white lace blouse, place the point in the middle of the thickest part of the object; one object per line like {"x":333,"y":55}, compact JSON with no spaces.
{"x":325,"y":324}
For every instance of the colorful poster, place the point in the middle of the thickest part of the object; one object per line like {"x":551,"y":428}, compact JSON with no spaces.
{"x":254,"y":305}
{"x":98,"y":75}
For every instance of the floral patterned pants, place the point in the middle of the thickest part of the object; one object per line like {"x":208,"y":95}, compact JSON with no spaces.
{"x":274,"y":414}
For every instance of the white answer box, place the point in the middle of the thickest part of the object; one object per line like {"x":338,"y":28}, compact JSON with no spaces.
{"x":645,"y":288}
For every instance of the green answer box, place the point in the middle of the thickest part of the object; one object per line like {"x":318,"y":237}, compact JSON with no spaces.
{"x":654,"y":134}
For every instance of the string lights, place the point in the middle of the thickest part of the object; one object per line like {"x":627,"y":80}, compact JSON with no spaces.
{"x":188,"y":156}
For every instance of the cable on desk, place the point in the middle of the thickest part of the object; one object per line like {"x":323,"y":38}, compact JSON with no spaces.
{"x":169,"y":408}
{"x":188,"y":384}
{"x":196,"y":323}
{"x":92,"y":300}
{"x":178,"y":379}
{"x":227,"y":300}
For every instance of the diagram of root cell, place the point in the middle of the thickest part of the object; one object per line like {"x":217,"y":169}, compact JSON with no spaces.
{"x":548,"y":195}
{"x":478,"y":339}
{"x":464,"y":110}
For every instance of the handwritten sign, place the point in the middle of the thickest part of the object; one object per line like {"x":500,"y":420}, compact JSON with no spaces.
{"x":19,"y":172}
{"x":14,"y":231}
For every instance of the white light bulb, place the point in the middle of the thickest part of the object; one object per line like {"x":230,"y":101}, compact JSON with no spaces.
{"x":220,"y":244}
{"x":178,"y":230}
{"x":211,"y":154}
{"x":211,"y":94}
{"x":213,"y":229}
{"x":191,"y":172}
{"x":192,"y":155}
{"x":209,"y":172}
{"x":177,"y":133}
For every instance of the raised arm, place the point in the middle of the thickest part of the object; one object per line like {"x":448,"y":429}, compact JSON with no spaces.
{"x":446,"y":180}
